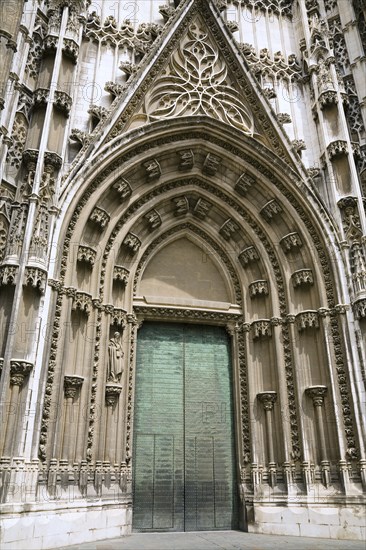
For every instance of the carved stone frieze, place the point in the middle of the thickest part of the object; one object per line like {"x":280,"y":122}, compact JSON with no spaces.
{"x":123,"y":188}
{"x":35,"y":278}
{"x":229,"y":229}
{"x":258,"y":288}
{"x":244,"y":183}
{"x":8,"y":274}
{"x":152,"y":169}
{"x":302,"y":277}
{"x":270,"y":209}
{"x":211,"y":164}
{"x":201,"y":208}
{"x":152,"y":312}
{"x":121,"y":274}
{"x":86,"y":254}
{"x":82,"y":301}
{"x":100,"y":217}
{"x":132,"y":242}
{"x":248,"y":255}
{"x":72,"y":385}
{"x":290,"y":242}
{"x":153,"y":218}
{"x":19,"y":371}
{"x":261,"y":329}
{"x":186,"y":159}
{"x":307,"y":320}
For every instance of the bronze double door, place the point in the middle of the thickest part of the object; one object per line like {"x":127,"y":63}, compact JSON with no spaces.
{"x":183,"y":452}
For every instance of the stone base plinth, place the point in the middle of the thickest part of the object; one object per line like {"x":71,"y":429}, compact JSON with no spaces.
{"x":38,"y":527}
{"x":327,"y":521}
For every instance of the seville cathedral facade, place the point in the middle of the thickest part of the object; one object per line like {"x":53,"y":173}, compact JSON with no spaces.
{"x":182,"y":268}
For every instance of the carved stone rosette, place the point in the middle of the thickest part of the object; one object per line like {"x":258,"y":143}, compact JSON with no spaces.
{"x":112,"y":392}
{"x":19,"y":371}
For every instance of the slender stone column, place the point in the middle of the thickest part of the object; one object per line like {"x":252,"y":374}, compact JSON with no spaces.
{"x":19,"y":371}
{"x":268,"y":398}
{"x":317,"y":393}
{"x":72,"y":385}
{"x":112,"y":392}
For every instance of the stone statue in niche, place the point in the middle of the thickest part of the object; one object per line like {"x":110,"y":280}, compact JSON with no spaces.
{"x":115,"y":358}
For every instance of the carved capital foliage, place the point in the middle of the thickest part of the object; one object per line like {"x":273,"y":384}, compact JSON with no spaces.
{"x":35,"y":278}
{"x":229,"y":229}
{"x":186,"y":159}
{"x":132,"y":242}
{"x":152,"y":169}
{"x":302,"y":277}
{"x":98,"y":112}
{"x":119,"y":317}
{"x":123,"y":188}
{"x":307,"y":319}
{"x":248,"y":255}
{"x":114,"y":89}
{"x":100,"y":217}
{"x":112,"y":393}
{"x":298,"y":145}
{"x":270,"y":209}
{"x":317,"y":394}
{"x":244,"y":183}
{"x":86,"y":254}
{"x":290,"y":242}
{"x":258,"y":288}
{"x":19,"y":371}
{"x":72,"y":385}
{"x":153,"y":218}
{"x":268,"y":399}
{"x":71,"y":49}
{"x":8,"y":274}
{"x":121,"y":274}
{"x":82,"y":301}
{"x":211,"y":164}
{"x":83,"y":138}
{"x":261,"y":329}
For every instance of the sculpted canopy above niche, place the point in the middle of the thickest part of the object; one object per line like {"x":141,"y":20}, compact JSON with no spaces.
{"x":184,"y":273}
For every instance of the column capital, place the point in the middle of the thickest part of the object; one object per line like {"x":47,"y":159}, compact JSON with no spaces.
{"x":19,"y":370}
{"x":72,"y":384}
{"x":267,"y":398}
{"x":317,"y":393}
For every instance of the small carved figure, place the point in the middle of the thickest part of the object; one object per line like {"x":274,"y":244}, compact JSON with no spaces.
{"x":115,"y":358}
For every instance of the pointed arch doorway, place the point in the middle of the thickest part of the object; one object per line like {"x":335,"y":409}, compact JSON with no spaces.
{"x":184,"y":467}
{"x":184,"y":445}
